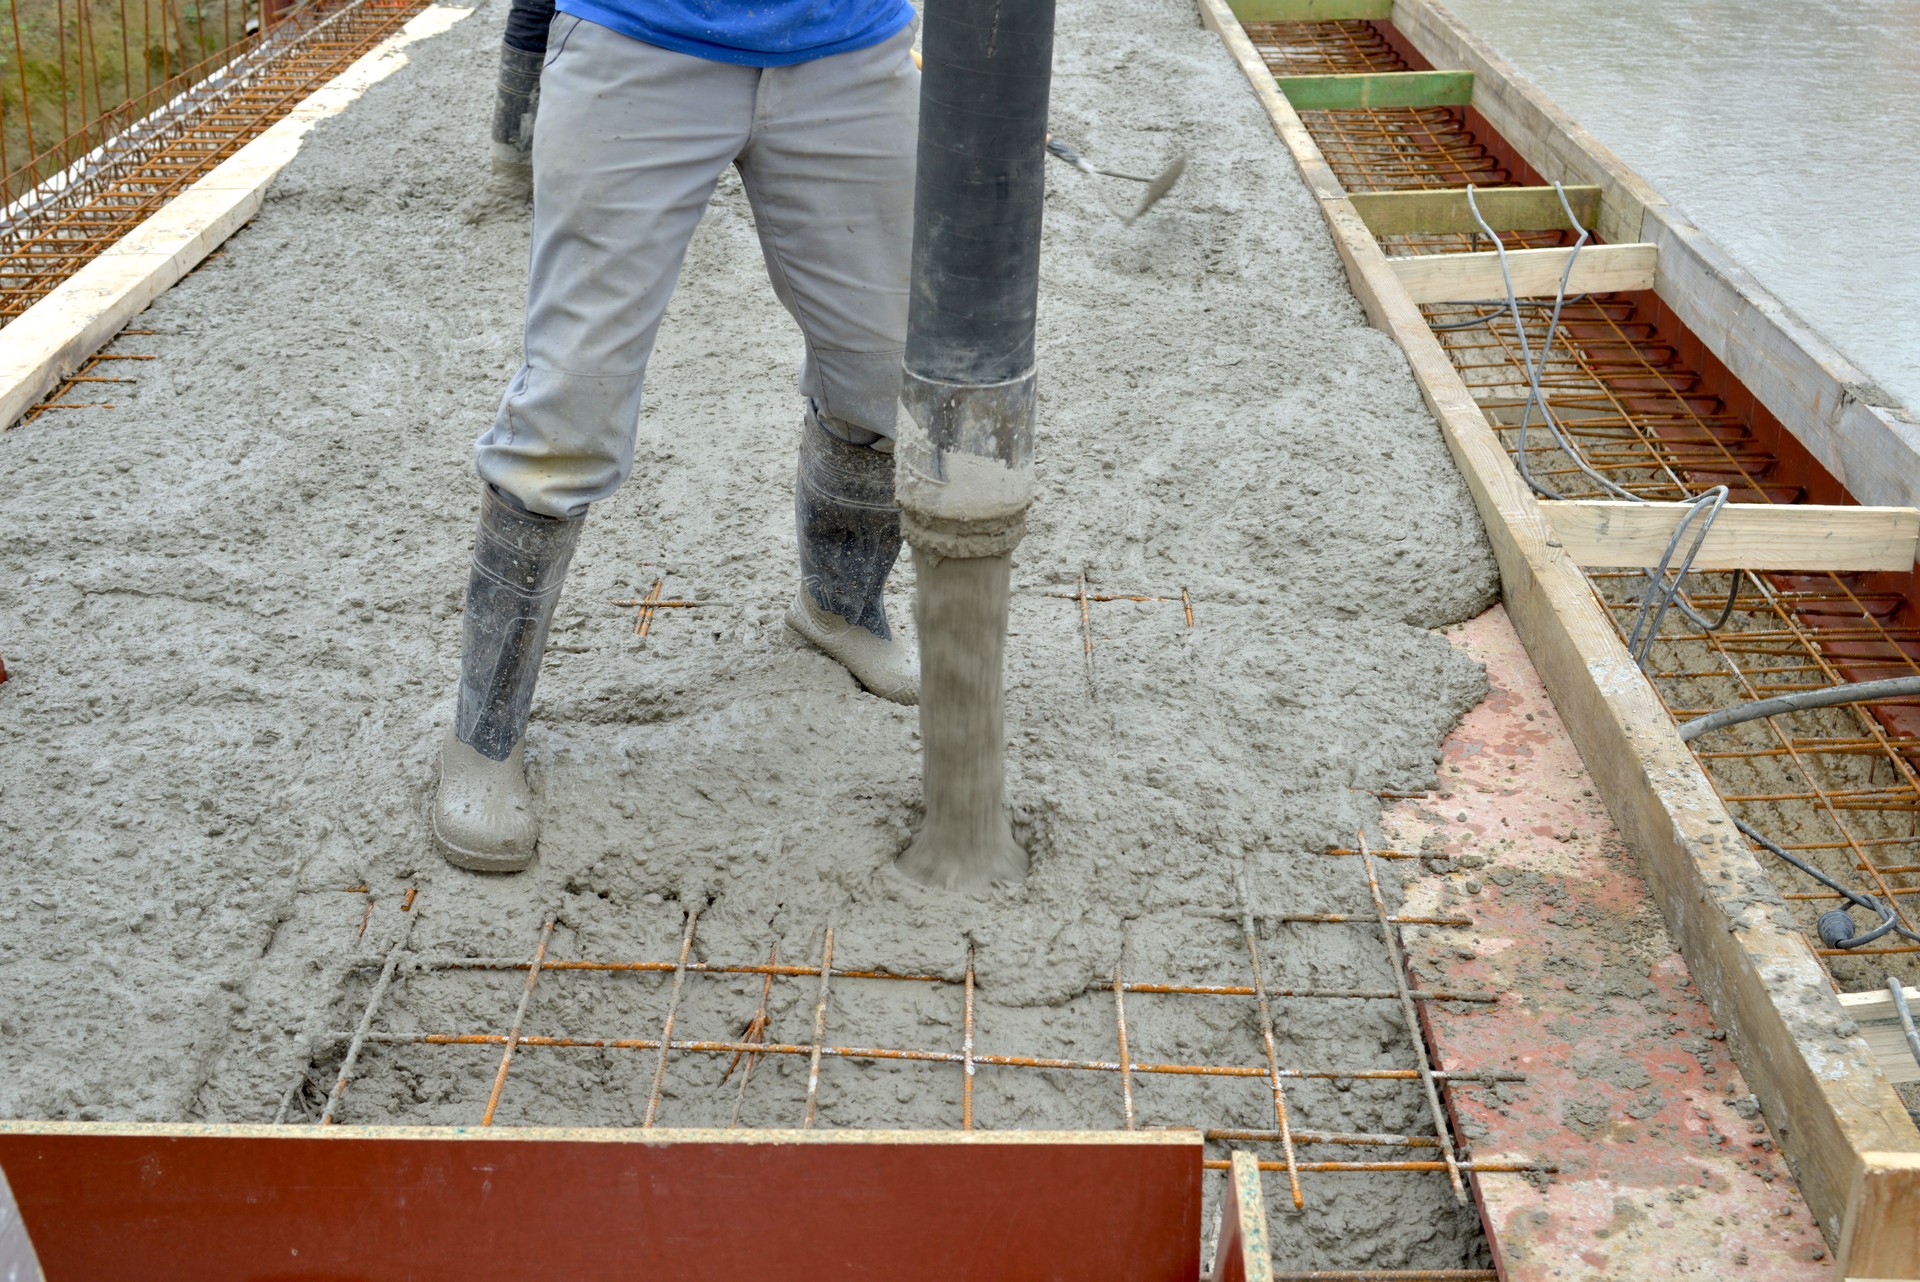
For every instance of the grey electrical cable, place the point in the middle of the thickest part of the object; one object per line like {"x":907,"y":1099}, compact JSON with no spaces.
{"x":1827,"y":697}
{"x":1806,"y":700}
{"x":1499,"y":308}
{"x":1888,"y":920}
{"x":1536,"y":368}
{"x":1663,"y":593}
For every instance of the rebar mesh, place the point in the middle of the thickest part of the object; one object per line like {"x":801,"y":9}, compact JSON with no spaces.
{"x":1290,"y":1145}
{"x":66,"y":221}
{"x":1838,"y":787}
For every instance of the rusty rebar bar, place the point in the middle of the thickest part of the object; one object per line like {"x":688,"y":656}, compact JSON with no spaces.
{"x":819,"y":1029}
{"x":673,"y":1011}
{"x":365,"y":1028}
{"x":1266,"y":1034}
{"x":512,"y":1039}
{"x":756,"y":1032}
{"x":1414,"y":1031}
{"x":710,"y":1047}
{"x":1126,"y":1057}
{"x":966,"y":1046}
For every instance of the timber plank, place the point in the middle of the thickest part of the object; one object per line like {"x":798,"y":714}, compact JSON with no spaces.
{"x":1880,"y":1025}
{"x":1756,"y":969}
{"x":1885,"y":1196}
{"x":1536,"y":273}
{"x":1744,"y":536}
{"x":1399,"y":213}
{"x":1377,"y":89}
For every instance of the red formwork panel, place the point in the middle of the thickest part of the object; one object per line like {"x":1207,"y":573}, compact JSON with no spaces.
{"x":103,"y":1200}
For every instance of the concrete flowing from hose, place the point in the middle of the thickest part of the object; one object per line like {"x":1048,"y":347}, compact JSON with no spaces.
{"x":964,"y":452}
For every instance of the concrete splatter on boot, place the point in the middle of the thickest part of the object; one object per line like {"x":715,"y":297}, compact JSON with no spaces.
{"x":509,"y":188}
{"x":516,"y":102}
{"x":483,"y":813}
{"x":849,"y":540}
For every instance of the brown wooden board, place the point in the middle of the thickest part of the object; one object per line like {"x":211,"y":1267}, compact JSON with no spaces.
{"x":103,"y":1200}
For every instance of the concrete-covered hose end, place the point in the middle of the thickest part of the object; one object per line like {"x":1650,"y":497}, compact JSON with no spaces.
{"x":963,"y":464}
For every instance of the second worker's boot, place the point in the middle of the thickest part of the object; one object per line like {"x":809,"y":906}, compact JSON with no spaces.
{"x":483,"y":812}
{"x":849,"y":540}
{"x":516,"y":103}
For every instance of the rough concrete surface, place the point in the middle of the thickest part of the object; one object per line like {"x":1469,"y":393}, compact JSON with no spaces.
{"x":230,"y":607}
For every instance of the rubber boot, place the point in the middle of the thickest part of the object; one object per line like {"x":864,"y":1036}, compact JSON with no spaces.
{"x":516,"y":103}
{"x":483,"y":814}
{"x":849,"y":540}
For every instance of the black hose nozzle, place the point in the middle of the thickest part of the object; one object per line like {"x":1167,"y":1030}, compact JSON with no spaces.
{"x":965,"y":451}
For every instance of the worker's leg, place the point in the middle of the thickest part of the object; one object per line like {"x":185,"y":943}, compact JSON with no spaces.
{"x":830,"y":173}
{"x":629,"y":143}
{"x":517,"y":94}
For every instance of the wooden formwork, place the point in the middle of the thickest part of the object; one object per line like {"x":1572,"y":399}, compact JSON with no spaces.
{"x":1851,"y":1142}
{"x":135,"y":1201}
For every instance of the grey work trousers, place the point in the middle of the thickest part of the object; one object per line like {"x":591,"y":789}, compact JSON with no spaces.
{"x":628,"y":146}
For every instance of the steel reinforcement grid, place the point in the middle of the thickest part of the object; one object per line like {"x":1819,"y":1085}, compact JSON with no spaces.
{"x":1650,"y":410}
{"x":65,"y":219}
{"x":321,"y":1094}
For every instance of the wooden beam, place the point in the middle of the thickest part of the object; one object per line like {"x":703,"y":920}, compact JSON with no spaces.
{"x":112,"y":1200}
{"x":50,"y":339}
{"x":1536,"y":273}
{"x":1744,"y":536}
{"x":1312,"y":10}
{"x":1377,"y":89}
{"x":1752,"y":964}
{"x":1880,"y":1025}
{"x":1399,"y":213}
{"x":1888,"y":1195}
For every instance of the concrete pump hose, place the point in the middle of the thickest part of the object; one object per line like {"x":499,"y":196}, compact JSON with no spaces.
{"x":964,"y":455}
{"x":1859,"y":692}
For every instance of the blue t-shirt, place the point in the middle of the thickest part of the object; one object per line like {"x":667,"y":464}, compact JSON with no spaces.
{"x":752,"y":33}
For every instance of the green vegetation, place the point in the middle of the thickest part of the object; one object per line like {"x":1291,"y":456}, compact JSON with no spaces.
{"x":90,"y":67}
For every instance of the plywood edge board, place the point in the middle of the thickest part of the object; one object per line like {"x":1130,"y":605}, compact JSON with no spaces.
{"x":1375,"y":89}
{"x":1743,"y":536}
{"x":50,"y":339}
{"x":1549,"y":139}
{"x":1256,"y":1256}
{"x":1534,"y":273}
{"x":1312,"y":10}
{"x":1241,"y":1252}
{"x":1400,"y":213}
{"x":1756,"y":970}
{"x":601,"y":1134}
{"x":1852,"y":427}
{"x":1880,"y":1025}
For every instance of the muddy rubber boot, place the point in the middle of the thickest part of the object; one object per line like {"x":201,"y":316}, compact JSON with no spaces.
{"x":516,"y":103}
{"x":483,"y":814}
{"x":849,"y":540}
